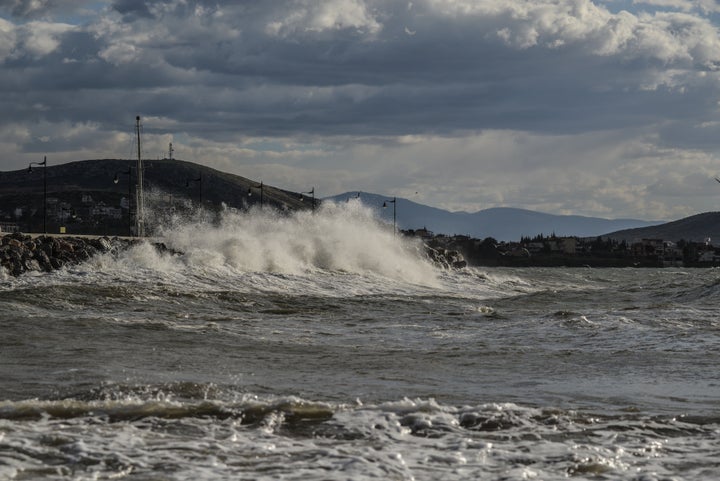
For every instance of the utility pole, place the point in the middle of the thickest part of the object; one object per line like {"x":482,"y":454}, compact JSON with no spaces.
{"x":140,"y":214}
{"x":262,"y":189}
{"x":44,"y":166}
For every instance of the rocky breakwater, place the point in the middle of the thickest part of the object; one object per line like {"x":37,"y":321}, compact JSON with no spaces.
{"x":21,"y":253}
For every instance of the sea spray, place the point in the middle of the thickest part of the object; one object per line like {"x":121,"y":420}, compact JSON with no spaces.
{"x":336,"y":238}
{"x":339,"y":250}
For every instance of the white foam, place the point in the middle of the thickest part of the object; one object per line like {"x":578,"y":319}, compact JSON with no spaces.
{"x":345,"y":238}
{"x":339,"y":250}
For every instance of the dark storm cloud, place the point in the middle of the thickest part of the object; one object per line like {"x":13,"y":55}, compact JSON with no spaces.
{"x":402,"y":69}
{"x":365,"y":73}
{"x":132,"y":9}
{"x":455,"y":70}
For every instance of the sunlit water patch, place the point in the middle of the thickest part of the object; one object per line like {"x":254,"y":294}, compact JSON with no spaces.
{"x":206,"y":432}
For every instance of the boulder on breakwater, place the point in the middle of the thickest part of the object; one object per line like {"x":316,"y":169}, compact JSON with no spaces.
{"x":445,"y":258}
{"x":21,"y":253}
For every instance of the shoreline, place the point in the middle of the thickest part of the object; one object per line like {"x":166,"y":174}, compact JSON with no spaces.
{"x":33,"y":252}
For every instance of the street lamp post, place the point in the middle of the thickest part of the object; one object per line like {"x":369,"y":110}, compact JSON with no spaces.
{"x":199,"y":181}
{"x":394,"y":203}
{"x":312,"y":193}
{"x":116,"y":180}
{"x":44,"y":164}
{"x":262,"y":188}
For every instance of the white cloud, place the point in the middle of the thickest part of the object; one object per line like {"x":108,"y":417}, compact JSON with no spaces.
{"x":37,"y":39}
{"x":120,"y":53}
{"x":667,"y":37}
{"x":310,"y":16}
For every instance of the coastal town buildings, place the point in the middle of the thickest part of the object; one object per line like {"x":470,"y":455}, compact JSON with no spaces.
{"x":575,"y":251}
{"x":84,"y":215}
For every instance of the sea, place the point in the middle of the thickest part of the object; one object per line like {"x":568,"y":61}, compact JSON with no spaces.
{"x":268,"y":345}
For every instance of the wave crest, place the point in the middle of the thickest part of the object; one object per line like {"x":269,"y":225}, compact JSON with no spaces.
{"x":337,"y":237}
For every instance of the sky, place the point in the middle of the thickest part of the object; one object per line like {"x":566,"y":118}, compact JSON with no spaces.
{"x":604,"y":108}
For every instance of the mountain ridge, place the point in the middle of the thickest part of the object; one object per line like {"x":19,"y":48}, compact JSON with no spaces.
{"x":695,"y":228}
{"x":500,"y":223}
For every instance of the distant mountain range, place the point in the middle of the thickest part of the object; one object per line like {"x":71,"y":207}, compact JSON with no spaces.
{"x":500,"y":223}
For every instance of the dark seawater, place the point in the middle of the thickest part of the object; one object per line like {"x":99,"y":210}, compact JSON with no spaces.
{"x":321,"y":347}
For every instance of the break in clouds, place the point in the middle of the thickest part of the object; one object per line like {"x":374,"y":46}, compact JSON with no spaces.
{"x":602,"y":108}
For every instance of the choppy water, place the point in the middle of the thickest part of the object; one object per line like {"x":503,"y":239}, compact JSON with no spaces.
{"x":321,"y":347}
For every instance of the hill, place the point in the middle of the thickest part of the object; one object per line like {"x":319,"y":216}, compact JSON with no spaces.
{"x":168,"y":176}
{"x":85,"y":190}
{"x":696,"y":228}
{"x":501,"y":223}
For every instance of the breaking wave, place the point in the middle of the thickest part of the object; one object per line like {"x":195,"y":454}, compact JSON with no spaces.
{"x":338,"y":238}
{"x":187,"y":430}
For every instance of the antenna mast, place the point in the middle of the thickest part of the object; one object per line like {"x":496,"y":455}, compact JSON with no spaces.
{"x":140,"y":214}
{"x":170,"y":151}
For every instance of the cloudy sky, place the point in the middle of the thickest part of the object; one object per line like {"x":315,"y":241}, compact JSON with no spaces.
{"x":604,"y":108}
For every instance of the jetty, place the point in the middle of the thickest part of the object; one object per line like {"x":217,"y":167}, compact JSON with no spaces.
{"x":21,"y":253}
